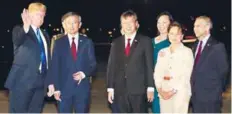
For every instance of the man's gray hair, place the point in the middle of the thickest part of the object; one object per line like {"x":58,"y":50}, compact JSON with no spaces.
{"x":66,"y":15}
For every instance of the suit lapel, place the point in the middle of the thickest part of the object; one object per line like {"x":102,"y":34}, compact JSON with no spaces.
{"x":205,"y":51}
{"x":67,"y":52}
{"x":121,"y":48}
{"x":48,"y":44}
{"x":68,"y":49}
{"x":32,"y":35}
{"x":79,"y":48}
{"x":133,"y":46}
{"x":46,"y":38}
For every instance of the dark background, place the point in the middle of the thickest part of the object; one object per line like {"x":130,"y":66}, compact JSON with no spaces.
{"x":102,"y":16}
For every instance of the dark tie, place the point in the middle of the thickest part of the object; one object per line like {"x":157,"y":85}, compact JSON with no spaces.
{"x":42,"y":52}
{"x":198,"y":53}
{"x":74,"y":49}
{"x":127,"y":49}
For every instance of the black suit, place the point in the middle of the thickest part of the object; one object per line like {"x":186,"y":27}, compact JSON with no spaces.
{"x":131,"y":76}
{"x":25,"y":82}
{"x":208,"y":77}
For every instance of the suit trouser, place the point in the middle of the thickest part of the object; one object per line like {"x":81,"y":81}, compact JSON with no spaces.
{"x":206,"y":107}
{"x":26,"y":101}
{"x":78,"y":102}
{"x":131,"y":103}
{"x":114,"y":108}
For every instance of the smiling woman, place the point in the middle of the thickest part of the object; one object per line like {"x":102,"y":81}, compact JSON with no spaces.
{"x":172,"y":73}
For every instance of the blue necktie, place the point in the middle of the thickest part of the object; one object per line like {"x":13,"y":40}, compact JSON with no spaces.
{"x":42,"y":52}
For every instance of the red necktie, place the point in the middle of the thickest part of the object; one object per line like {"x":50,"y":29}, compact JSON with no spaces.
{"x":74,"y":49}
{"x":127,"y":49}
{"x":198,"y":53}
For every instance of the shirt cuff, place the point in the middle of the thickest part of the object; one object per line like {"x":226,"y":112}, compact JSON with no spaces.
{"x":56,"y":92}
{"x":51,"y":86}
{"x":150,"y":89}
{"x":82,"y":74}
{"x":110,"y":90}
{"x":51,"y":89}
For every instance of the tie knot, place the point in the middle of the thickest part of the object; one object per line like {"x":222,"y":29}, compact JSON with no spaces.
{"x":73,"y":38}
{"x":128,"y":39}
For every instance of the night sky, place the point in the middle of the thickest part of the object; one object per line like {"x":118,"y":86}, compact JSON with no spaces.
{"x":105,"y":14}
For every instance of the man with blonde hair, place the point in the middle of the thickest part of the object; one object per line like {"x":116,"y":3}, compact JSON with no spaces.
{"x":210,"y":69}
{"x":27,"y":77}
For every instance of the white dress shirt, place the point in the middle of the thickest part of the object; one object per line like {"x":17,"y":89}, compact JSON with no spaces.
{"x":132,"y":37}
{"x":70,"y":38}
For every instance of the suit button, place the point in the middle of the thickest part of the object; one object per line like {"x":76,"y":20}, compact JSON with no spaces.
{"x":125,"y":64}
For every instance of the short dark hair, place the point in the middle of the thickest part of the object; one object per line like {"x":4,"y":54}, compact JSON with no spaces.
{"x":167,"y":14}
{"x":129,"y":13}
{"x":66,"y":15}
{"x":176,"y":24}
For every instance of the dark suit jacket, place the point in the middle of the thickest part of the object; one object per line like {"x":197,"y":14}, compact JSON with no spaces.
{"x":136,"y":71}
{"x":25,"y":68}
{"x":63,"y":66}
{"x":209,"y":73}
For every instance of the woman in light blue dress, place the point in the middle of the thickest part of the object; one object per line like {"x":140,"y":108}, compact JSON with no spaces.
{"x":161,"y":41}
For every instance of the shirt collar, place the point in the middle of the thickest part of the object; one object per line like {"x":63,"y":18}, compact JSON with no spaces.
{"x":204,"y":40}
{"x":76,"y":36}
{"x":132,"y":36}
{"x":34,"y":28}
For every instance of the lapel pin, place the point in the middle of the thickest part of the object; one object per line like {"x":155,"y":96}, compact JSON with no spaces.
{"x":80,"y":40}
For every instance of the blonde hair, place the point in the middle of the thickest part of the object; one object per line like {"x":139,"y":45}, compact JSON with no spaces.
{"x":207,"y":20}
{"x":36,"y":6}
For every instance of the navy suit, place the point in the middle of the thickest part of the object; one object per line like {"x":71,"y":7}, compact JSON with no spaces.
{"x":62,"y":69}
{"x":26,"y":84}
{"x":208,"y":78}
